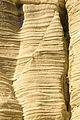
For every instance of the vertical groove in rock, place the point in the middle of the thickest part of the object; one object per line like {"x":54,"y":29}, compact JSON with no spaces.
{"x":9,"y":48}
{"x":41,"y":65}
{"x":73,"y":8}
{"x":64,"y":20}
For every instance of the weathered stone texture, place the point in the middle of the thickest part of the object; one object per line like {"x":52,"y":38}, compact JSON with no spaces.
{"x":33,"y":60}
{"x":41,"y":65}
{"x":73,"y":8}
{"x":9,"y":48}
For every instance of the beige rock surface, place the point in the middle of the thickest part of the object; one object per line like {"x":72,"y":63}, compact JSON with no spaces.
{"x":73,"y":8}
{"x":41,"y":63}
{"x":33,"y":61}
{"x":9,"y":48}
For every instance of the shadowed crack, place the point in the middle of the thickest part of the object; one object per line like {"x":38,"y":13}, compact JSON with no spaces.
{"x":20,"y":14}
{"x":64,"y":22}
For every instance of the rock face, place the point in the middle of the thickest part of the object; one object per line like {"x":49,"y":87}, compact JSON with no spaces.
{"x":9,"y":48}
{"x":33,"y":60}
{"x":41,"y":65}
{"x":74,"y":56}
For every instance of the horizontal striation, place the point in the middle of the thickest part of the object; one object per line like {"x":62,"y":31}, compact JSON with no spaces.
{"x":73,"y":8}
{"x":53,"y":2}
{"x":9,"y":43}
{"x":39,"y":1}
{"x":9,"y":107}
{"x":7,"y":6}
{"x":9,"y":49}
{"x":31,"y":40}
{"x":40,"y":68}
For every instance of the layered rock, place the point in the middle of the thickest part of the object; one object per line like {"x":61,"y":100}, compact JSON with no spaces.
{"x":73,"y":8}
{"x":41,"y":65}
{"x":9,"y":48}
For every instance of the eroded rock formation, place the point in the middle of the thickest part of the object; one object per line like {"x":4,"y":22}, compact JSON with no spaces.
{"x":9,"y":48}
{"x":41,"y":66}
{"x":33,"y":60}
{"x":73,"y":8}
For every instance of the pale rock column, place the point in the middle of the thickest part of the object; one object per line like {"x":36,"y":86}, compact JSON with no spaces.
{"x":41,"y":64}
{"x":73,"y":8}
